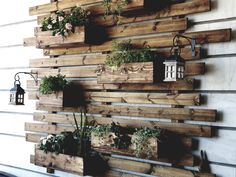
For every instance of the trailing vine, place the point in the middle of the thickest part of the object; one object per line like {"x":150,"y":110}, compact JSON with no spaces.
{"x":115,"y":10}
{"x":141,"y":143}
{"x":125,"y":52}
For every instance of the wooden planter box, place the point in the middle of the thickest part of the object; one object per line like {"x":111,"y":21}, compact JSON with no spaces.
{"x":89,"y":34}
{"x":141,"y":72}
{"x":103,"y":144}
{"x":69,"y":97}
{"x":73,"y":164}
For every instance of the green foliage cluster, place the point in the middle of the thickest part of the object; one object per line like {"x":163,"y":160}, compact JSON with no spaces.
{"x":125,"y":52}
{"x":59,"y":143}
{"x":142,"y":146}
{"x":71,"y":143}
{"x":123,"y":138}
{"x":114,"y":11}
{"x":52,"y":84}
{"x":62,"y":24}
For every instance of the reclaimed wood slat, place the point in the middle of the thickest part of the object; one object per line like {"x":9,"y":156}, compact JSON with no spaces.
{"x":63,"y":162}
{"x":178,"y":9}
{"x":73,"y":72}
{"x":95,"y":59}
{"x":186,"y":84}
{"x":179,"y":128}
{"x":187,"y":99}
{"x":59,"y":5}
{"x":145,"y":98}
{"x":202,"y":37}
{"x":147,"y":28}
{"x":208,"y":115}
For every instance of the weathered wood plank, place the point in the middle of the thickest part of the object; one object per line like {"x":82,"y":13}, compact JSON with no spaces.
{"x":139,"y":111}
{"x":179,"y":128}
{"x":63,"y":162}
{"x":178,"y":9}
{"x":187,"y":99}
{"x":186,"y":53}
{"x":145,"y":98}
{"x":202,"y":37}
{"x":73,"y":72}
{"x":186,"y":84}
{"x":58,"y":5}
{"x":147,"y":28}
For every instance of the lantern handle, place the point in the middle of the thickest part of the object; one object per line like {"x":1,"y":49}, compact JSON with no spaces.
{"x":17,"y":77}
{"x":176,"y":43}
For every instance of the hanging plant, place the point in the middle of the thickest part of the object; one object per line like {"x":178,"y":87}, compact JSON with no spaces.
{"x":52,"y":84}
{"x":62,"y":24}
{"x":141,"y":140}
{"x":115,"y":10}
{"x":125,"y":52}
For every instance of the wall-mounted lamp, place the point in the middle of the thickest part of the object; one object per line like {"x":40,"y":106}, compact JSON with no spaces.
{"x":17,"y":93}
{"x":174,"y":65}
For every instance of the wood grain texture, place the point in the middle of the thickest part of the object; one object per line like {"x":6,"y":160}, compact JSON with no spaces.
{"x":179,"y":128}
{"x":63,"y":162}
{"x":202,"y":37}
{"x":186,"y":84}
{"x":91,"y":71}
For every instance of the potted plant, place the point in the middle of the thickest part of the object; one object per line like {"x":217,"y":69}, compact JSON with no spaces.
{"x":130,"y":64}
{"x":56,"y":91}
{"x":113,"y":138}
{"x":67,"y":28}
{"x":69,"y":151}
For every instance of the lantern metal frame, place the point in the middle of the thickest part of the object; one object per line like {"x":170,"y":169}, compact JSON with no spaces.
{"x":17,"y":93}
{"x":174,"y":65}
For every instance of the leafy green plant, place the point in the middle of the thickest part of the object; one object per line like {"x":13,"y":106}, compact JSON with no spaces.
{"x":125,"y":52}
{"x":59,"y":143}
{"x":52,"y":84}
{"x":62,"y":24}
{"x":101,"y":130}
{"x":141,"y":142}
{"x":116,"y":10}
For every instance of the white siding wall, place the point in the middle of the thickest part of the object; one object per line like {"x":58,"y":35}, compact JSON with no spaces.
{"x":218,"y":86}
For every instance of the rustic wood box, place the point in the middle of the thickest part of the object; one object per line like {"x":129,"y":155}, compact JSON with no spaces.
{"x":71,"y":96}
{"x":73,"y":164}
{"x":104,"y":144}
{"x":140,"y":72}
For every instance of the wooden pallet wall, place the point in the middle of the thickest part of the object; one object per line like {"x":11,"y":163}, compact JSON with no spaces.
{"x":166,"y":105}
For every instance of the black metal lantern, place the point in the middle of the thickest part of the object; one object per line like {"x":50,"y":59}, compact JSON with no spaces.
{"x":175,"y":64}
{"x":17,"y":93}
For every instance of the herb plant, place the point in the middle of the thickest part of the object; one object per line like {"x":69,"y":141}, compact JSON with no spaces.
{"x":114,"y":11}
{"x":140,"y":142}
{"x":62,"y":24}
{"x":52,"y":84}
{"x":125,"y":52}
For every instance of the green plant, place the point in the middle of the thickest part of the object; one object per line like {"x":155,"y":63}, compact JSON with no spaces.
{"x":141,"y":143}
{"x":52,"y":84}
{"x":62,"y":24}
{"x":101,"y":130}
{"x":116,"y":10}
{"x":125,"y":52}
{"x":59,"y":143}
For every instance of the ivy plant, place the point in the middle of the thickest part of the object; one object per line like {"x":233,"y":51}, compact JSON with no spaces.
{"x":114,"y":10}
{"x":52,"y":84}
{"x":63,"y":24}
{"x":141,"y":143}
{"x":125,"y":52}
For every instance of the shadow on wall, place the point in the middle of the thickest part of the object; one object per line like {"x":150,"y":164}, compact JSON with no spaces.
{"x":4,"y":174}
